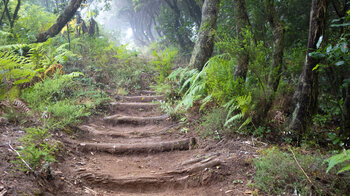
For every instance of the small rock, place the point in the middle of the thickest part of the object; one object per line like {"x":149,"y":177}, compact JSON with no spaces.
{"x":62,"y":178}
{"x":3,"y":121}
{"x":81,"y":169}
{"x":3,"y":192}
{"x":58,"y":172}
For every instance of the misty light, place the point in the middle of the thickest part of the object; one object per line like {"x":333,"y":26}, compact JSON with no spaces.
{"x":129,"y":33}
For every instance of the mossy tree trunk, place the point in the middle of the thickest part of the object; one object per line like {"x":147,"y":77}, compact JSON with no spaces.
{"x":62,"y":20}
{"x":242,"y":22}
{"x":203,"y":48}
{"x":277,"y":60}
{"x":305,"y":96}
{"x":278,"y":44}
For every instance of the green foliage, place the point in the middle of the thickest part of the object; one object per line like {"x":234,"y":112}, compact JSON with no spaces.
{"x":37,"y":150}
{"x":63,"y":99}
{"x":340,"y":158}
{"x":15,"y":69}
{"x":32,"y":20}
{"x":163,"y":61}
{"x":244,"y":105}
{"x":213,"y":124}
{"x":170,"y":110}
{"x":278,"y":173}
{"x":111,"y":66}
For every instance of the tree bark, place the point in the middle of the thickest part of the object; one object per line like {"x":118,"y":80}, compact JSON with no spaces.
{"x":62,"y":20}
{"x":346,"y":117}
{"x":305,"y":97}
{"x":183,"y":144}
{"x":204,"y":46}
{"x":242,"y":21}
{"x":15,"y":13}
{"x":278,"y":45}
{"x":4,"y":12}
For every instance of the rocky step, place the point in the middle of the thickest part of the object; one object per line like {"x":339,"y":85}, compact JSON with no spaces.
{"x":147,"y":174}
{"x":142,"y":146}
{"x":124,"y":131}
{"x":140,"y":98}
{"x":147,"y":92}
{"x":141,"y":106}
{"x":135,"y":120}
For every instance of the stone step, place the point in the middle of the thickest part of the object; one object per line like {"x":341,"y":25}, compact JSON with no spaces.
{"x":135,"y":120}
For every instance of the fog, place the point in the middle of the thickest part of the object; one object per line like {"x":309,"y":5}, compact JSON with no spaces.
{"x":112,"y":21}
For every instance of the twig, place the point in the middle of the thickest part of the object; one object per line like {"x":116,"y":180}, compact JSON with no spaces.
{"x":19,"y":155}
{"x":307,"y":177}
{"x":87,"y":188}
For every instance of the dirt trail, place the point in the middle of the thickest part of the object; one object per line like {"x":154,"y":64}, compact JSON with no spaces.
{"x":135,"y":151}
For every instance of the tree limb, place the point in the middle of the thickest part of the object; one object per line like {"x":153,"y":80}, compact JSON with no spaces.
{"x":62,"y":20}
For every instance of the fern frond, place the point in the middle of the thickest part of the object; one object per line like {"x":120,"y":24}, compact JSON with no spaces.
{"x":338,"y":159}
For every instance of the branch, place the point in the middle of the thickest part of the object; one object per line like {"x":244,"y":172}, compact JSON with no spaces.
{"x":15,"y":14}
{"x":307,"y":177}
{"x":62,"y":20}
{"x":19,"y":155}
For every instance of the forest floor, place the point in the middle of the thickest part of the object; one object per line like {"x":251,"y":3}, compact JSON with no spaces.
{"x":136,"y":150}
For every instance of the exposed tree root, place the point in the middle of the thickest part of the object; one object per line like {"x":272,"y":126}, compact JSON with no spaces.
{"x":184,"y":144}
{"x":93,"y":131}
{"x":136,"y":184}
{"x":207,"y":163}
{"x":117,"y":119}
{"x":189,"y":177}
{"x":121,"y":106}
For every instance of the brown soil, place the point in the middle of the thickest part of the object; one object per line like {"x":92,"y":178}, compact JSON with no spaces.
{"x":139,"y":151}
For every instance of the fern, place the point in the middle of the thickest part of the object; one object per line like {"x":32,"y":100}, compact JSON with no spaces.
{"x":16,"y":69}
{"x":243,"y":104}
{"x":339,"y":159}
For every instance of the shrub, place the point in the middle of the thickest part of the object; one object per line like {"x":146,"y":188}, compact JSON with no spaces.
{"x":63,"y":100}
{"x":37,"y":149}
{"x":213,"y":123}
{"x":278,"y":173}
{"x":163,"y":63}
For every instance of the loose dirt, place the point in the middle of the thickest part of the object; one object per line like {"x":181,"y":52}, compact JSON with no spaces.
{"x":138,"y":150}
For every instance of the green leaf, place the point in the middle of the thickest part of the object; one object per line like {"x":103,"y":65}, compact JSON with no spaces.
{"x":340,"y":63}
{"x":317,"y":55}
{"x":341,"y":25}
{"x":337,"y":159}
{"x":346,"y":168}
{"x":316,"y":67}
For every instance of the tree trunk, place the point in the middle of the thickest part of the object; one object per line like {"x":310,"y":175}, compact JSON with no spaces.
{"x":4,"y":12}
{"x":68,"y":36}
{"x":305,"y":97}
{"x":346,"y":117}
{"x":182,"y":37}
{"x":278,"y":45}
{"x":205,"y":43}
{"x":242,"y":21}
{"x":15,"y":13}
{"x":62,"y":20}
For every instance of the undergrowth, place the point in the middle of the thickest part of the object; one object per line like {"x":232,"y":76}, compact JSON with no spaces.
{"x":278,"y":173}
{"x":62,"y":100}
{"x":37,"y":150}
